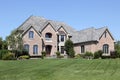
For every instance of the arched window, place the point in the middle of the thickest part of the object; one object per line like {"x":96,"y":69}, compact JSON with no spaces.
{"x":48,"y":36}
{"x":35,"y":49}
{"x":106,"y":48}
{"x":26,"y":47}
{"x":31,"y":34}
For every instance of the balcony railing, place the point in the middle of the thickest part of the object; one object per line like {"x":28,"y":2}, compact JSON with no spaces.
{"x":48,"y":39}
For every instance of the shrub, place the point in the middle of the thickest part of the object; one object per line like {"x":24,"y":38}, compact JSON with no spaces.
{"x":88,"y":55}
{"x":24,"y":57}
{"x":43,"y":54}
{"x":105,"y":57}
{"x":58,"y":54}
{"x":71,"y":53}
{"x":3,"y":52}
{"x":19,"y":53}
{"x":98,"y":54}
{"x":9,"y":56}
{"x":78,"y":56}
{"x":69,"y":48}
{"x":117,"y":52}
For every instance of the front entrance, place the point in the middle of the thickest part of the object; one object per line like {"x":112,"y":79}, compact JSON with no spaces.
{"x":48,"y":49}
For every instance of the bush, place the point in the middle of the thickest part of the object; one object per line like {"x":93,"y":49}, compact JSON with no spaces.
{"x":43,"y":54}
{"x":3,"y":52}
{"x":78,"y":56}
{"x":98,"y":54}
{"x":19,"y":53}
{"x":58,"y":54}
{"x":9,"y":56}
{"x":88,"y":55}
{"x":69,"y":48}
{"x":71,"y":53}
{"x":105,"y":57}
{"x":24,"y":57}
{"x":117,"y":53}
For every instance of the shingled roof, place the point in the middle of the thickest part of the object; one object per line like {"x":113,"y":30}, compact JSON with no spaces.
{"x":90,"y":34}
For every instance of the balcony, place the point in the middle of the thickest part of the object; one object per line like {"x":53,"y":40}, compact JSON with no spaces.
{"x":48,"y":39}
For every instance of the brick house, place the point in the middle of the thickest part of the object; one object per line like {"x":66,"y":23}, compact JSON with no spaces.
{"x":40,"y":34}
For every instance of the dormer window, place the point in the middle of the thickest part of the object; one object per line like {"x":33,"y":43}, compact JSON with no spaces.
{"x":48,"y":36}
{"x":31,"y":34}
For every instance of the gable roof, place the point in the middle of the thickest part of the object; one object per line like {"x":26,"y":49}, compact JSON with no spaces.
{"x":39,"y":23}
{"x":90,"y":34}
{"x":28,"y":28}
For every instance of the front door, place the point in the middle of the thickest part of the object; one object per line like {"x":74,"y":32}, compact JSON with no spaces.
{"x":48,"y":49}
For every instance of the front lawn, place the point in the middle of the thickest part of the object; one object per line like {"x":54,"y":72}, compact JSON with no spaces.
{"x":60,"y":69}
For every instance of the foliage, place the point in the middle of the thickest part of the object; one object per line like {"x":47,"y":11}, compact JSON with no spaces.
{"x":69,"y":48}
{"x":14,"y":40}
{"x":58,"y":54}
{"x":4,"y":45}
{"x":43,"y":54}
{"x":98,"y":54}
{"x":78,"y":56}
{"x":24,"y":57}
{"x":1,"y":43}
{"x":88,"y":55}
{"x":20,"y":52}
{"x":3,"y":52}
{"x":8,"y":56}
{"x":106,"y":57}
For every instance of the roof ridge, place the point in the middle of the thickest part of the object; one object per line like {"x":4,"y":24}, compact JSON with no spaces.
{"x":102,"y":27}
{"x":86,"y":29}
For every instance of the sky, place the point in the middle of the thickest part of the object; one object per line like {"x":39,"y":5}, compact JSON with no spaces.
{"x":80,"y":14}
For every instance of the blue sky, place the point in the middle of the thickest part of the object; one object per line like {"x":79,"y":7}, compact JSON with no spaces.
{"x":80,"y":14}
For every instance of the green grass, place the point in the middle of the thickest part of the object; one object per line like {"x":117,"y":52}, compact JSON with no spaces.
{"x":60,"y":69}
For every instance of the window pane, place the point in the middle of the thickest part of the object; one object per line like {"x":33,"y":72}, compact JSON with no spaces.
{"x":26,"y":47}
{"x":106,"y":48}
{"x":82,"y":49}
{"x":62,"y":38}
{"x":62,"y":49}
{"x":35,"y":49}
{"x":31,"y":34}
{"x":48,"y":35}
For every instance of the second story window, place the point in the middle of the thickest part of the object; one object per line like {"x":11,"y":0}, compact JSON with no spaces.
{"x":48,"y":36}
{"x":31,"y":34}
{"x":62,"y":38}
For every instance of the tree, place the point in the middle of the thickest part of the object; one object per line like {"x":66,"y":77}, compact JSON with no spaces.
{"x":69,"y":48}
{"x":4,"y":45}
{"x":1,"y":43}
{"x":15,"y":41}
{"x":117,"y":48}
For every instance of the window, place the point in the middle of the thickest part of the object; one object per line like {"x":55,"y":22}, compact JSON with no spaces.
{"x":82,"y":49}
{"x":35,"y":49}
{"x":105,"y":48}
{"x":62,"y":38}
{"x":26,"y":47}
{"x":62,"y":49}
{"x":48,"y":36}
{"x":31,"y":34}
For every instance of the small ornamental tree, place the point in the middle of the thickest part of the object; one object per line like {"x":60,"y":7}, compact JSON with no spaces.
{"x":69,"y":48}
